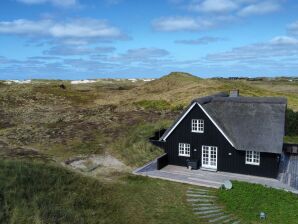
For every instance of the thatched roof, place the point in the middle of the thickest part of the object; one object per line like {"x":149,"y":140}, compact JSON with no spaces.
{"x":250,"y":123}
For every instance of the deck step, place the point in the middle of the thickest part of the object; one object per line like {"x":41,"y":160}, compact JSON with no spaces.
{"x":202,"y":204}
{"x":212,"y":215}
{"x":219,"y":218}
{"x":197,"y":192}
{"x":199,"y":200}
{"x":229,"y":220}
{"x":200,"y":195}
{"x":208,"y":212}
{"x":206,"y":208}
{"x":237,"y":222}
{"x":198,"y":189}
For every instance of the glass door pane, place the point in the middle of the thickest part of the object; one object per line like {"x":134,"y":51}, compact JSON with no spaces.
{"x":209,"y":157}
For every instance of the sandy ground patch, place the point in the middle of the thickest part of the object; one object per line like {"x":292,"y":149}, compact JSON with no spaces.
{"x":98,"y":165}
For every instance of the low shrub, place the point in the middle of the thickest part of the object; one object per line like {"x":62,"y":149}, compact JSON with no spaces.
{"x":153,"y":104}
{"x":291,"y":123}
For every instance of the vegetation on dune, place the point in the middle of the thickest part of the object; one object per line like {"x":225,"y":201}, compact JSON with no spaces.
{"x":291,"y":126}
{"x":291,"y":123}
{"x":158,"y":105}
{"x":153,"y":104}
{"x":181,"y":76}
{"x":248,"y":200}
{"x":134,"y":148}
{"x":43,"y":193}
{"x":45,"y":122}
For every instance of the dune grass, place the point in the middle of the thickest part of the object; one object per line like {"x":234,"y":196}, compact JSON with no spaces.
{"x":116,"y":117}
{"x":42,"y":193}
{"x":248,"y":200}
{"x":134,"y":148}
{"x":153,"y":104}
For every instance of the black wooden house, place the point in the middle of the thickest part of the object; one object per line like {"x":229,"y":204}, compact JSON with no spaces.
{"x":227,"y":132}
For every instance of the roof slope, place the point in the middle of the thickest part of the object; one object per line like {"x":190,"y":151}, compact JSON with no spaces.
{"x":251,"y":123}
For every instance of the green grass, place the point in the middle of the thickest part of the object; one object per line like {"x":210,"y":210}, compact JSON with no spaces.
{"x":291,"y":139}
{"x":134,"y":148}
{"x":42,"y":193}
{"x":248,"y":200}
{"x":153,"y":104}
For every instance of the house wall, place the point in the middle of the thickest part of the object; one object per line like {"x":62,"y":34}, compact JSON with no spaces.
{"x":228,"y":158}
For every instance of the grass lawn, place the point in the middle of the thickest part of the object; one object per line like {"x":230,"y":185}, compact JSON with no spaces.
{"x":291,"y":139}
{"x":35,"y":192}
{"x":248,"y":200}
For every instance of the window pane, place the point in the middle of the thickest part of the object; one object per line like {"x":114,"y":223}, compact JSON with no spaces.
{"x":252,"y":157}
{"x":197,"y":125}
{"x":184,"y":149}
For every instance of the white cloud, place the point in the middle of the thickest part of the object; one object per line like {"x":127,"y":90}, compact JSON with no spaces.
{"x":80,"y":28}
{"x":214,"y":13}
{"x":168,"y":24}
{"x":141,"y":54}
{"x":62,"y":3}
{"x":65,"y":50}
{"x":277,"y":47}
{"x":293,"y":28}
{"x":284,"y":40}
{"x":214,"y":6}
{"x":259,"y":8}
{"x":200,"y":41}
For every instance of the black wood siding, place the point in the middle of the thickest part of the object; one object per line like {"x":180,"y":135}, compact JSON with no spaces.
{"x":235,"y":162}
{"x":162,"y":161}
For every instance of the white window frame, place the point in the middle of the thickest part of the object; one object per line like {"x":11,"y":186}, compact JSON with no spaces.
{"x":252,"y":158}
{"x":197,"y":125}
{"x":184,"y":149}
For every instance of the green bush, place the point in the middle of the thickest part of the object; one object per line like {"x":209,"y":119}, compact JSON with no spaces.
{"x":291,"y":123}
{"x":153,"y":104}
{"x":178,"y":107}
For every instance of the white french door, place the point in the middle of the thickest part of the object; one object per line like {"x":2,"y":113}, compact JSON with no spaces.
{"x":209,"y":157}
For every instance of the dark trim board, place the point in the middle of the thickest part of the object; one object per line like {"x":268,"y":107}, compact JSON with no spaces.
{"x":229,"y":159}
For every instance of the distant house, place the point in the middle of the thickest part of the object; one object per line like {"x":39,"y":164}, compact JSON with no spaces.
{"x":228,"y":132}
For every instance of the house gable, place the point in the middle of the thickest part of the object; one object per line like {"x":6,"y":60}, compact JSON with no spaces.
{"x":182,"y":117}
{"x":182,"y":134}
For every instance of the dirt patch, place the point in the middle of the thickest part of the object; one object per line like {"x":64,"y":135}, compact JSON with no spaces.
{"x":98,"y":165}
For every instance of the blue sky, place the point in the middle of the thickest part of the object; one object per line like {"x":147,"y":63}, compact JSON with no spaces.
{"x":81,"y":39}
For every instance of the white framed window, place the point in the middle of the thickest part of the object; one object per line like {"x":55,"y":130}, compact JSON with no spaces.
{"x":197,"y":125}
{"x":184,"y":149}
{"x":252,"y":158}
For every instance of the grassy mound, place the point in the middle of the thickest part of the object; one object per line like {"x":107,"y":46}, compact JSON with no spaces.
{"x":42,"y":193}
{"x":153,"y":104}
{"x":134,"y":148}
{"x":248,"y":200}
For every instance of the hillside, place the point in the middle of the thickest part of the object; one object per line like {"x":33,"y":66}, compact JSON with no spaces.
{"x":102,"y":117}
{"x":41,"y":193}
{"x":86,"y":138}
